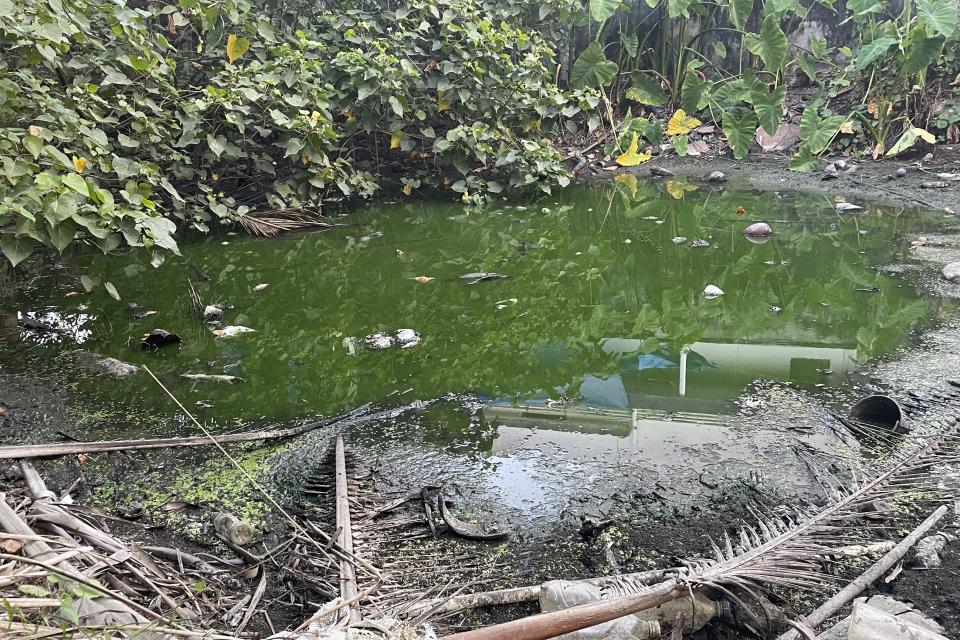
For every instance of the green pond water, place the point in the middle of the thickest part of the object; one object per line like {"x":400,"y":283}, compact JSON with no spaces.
{"x":603,"y":292}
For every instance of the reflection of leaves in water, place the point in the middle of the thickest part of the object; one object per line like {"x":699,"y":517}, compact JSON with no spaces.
{"x":575,"y":279}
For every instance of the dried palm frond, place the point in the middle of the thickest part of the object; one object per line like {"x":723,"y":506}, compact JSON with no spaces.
{"x":272,"y":223}
{"x":788,"y":551}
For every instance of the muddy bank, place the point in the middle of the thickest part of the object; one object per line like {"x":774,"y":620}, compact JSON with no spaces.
{"x":872,"y":181}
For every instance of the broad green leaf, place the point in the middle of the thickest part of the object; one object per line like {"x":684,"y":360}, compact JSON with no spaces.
{"x":61,"y":235}
{"x":818,"y":47}
{"x":816,"y":132}
{"x":125,"y":168}
{"x":602,"y":10}
{"x":768,"y":105}
{"x":77,"y":183}
{"x":808,"y":65}
{"x":631,"y":156}
{"x":909,"y":138}
{"x":719,"y":50}
{"x":770,"y":44}
{"x":629,"y":42}
{"x":805,"y":161}
{"x":680,"y":144}
{"x":740,"y":129}
{"x":939,"y":15}
{"x":740,"y":11}
{"x":236,"y":47}
{"x":217,"y":144}
{"x":873,"y":50}
{"x":16,"y":250}
{"x":33,"y":144}
{"x":680,"y":123}
{"x":695,"y":87}
{"x":33,"y":590}
{"x":922,"y":50}
{"x":645,"y":89}
{"x":592,"y":69}
{"x":679,"y":8}
{"x":88,"y":283}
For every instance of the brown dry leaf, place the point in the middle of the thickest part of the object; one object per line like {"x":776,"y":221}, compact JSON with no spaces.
{"x":3,"y":408}
{"x":11,"y":546}
{"x":785,"y":137}
{"x":879,"y":150}
{"x":82,"y":457}
{"x":846,"y":127}
{"x":698,"y":147}
{"x":741,"y":211}
{"x":423,"y":279}
{"x":35,"y":131}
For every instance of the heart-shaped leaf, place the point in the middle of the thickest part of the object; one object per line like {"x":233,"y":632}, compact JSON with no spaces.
{"x":817,"y":131}
{"x":236,"y":47}
{"x":646,"y":89}
{"x":602,"y":10}
{"x":909,"y":138}
{"x":680,"y":123}
{"x":16,"y":249}
{"x":592,"y":69}
{"x":740,"y":11}
{"x":740,"y":127}
{"x":770,"y":44}
{"x":768,"y":105}
{"x":871,"y":51}
{"x":939,"y":15}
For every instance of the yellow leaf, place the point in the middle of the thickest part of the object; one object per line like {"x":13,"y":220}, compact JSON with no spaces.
{"x":631,"y":156}
{"x":681,"y":124}
{"x":846,"y":127}
{"x":442,"y":103}
{"x":676,"y":189}
{"x":407,"y":189}
{"x":236,"y":47}
{"x":79,"y":163}
{"x":630,"y":181}
{"x":316,"y":115}
{"x":395,"y":140}
{"x":925,"y":135}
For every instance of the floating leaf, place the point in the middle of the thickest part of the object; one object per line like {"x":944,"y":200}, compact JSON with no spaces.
{"x":236,"y":47}
{"x":680,"y":123}
{"x":112,"y":290}
{"x":592,"y":69}
{"x":631,"y":157}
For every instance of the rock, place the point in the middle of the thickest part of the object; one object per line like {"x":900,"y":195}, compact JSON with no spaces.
{"x":927,"y":552}
{"x":159,"y":338}
{"x":847,"y":207}
{"x":830,"y":172}
{"x":841,"y":164}
{"x":232,"y":330}
{"x":900,"y":173}
{"x":660,"y":172}
{"x":212,"y":312}
{"x":951,"y":271}
{"x":712,"y":291}
{"x":758,"y":229}
{"x":261,"y":287}
{"x":717,"y":176}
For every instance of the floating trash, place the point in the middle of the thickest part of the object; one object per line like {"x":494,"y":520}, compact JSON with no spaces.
{"x":712,"y":291}
{"x":232,"y":330}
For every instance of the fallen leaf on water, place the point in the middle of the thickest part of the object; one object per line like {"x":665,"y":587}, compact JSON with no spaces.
{"x":741,"y":211}
{"x":631,"y":156}
{"x":70,"y":294}
{"x":423,"y":278}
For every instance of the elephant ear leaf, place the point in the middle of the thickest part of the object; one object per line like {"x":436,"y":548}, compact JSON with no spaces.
{"x":817,"y":131}
{"x":592,"y":69}
{"x":602,"y":10}
{"x":939,"y":15}
{"x":632,"y":157}
{"x":768,"y":105}
{"x":645,"y":89}
{"x":909,"y":138}
{"x":770,"y":44}
{"x":740,"y":129}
